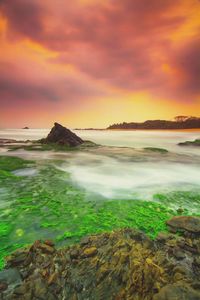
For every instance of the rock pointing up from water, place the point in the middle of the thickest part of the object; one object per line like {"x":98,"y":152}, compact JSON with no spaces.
{"x":63,"y":136}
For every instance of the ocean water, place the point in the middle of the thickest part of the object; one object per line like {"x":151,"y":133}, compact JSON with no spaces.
{"x":122,"y":169}
{"x":167,"y":139}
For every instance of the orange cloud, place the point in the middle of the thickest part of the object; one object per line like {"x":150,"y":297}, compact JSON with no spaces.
{"x":88,"y":56}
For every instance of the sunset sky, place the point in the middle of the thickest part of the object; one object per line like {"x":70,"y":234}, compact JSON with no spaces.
{"x":91,"y":63}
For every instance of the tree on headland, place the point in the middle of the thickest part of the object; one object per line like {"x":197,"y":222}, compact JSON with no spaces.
{"x":181,"y":118}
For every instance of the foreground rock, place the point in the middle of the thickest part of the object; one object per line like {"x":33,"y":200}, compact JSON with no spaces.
{"x":124,"y":264}
{"x":62,"y":136}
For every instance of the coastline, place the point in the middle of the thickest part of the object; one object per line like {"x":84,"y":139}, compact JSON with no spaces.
{"x":167,"y":129}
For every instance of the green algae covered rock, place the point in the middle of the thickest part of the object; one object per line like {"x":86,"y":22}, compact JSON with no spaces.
{"x":195,"y":143}
{"x":159,"y":150}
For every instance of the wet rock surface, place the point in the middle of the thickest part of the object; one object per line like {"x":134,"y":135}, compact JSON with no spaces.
{"x":185,"y":223}
{"x":123,"y":264}
{"x":9,"y":278}
{"x":195,"y":143}
{"x":7,"y":141}
{"x":62,"y":136}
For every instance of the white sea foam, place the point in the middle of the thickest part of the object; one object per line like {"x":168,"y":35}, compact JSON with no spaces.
{"x":26,"y":172}
{"x":114,"y":178}
{"x":125,"y":173}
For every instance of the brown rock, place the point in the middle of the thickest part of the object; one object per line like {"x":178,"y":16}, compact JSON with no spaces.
{"x":18,"y":258}
{"x":162,"y":237}
{"x":49,"y":243}
{"x":46,"y":248}
{"x":188,"y":223}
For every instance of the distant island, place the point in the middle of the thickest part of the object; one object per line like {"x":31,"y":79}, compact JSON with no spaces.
{"x":180,"y":122}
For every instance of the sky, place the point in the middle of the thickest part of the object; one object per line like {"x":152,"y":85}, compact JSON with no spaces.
{"x":91,"y":63}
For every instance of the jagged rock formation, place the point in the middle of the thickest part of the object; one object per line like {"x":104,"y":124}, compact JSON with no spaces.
{"x":62,"y":136}
{"x":189,"y":123}
{"x":120,"y":265}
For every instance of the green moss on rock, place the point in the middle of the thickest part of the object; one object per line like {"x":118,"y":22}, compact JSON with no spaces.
{"x":159,"y":150}
{"x":49,"y":205}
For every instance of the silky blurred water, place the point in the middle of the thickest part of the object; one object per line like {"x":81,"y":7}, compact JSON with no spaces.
{"x":134,"y":138}
{"x":124,"y":170}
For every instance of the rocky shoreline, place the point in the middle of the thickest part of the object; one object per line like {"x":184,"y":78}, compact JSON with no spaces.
{"x":123,"y":264}
{"x":180,"y":122}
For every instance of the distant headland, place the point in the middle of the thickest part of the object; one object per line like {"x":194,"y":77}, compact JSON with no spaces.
{"x":179,"y":122}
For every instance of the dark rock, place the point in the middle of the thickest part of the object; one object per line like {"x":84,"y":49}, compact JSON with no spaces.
{"x":3,"y":286}
{"x":197,"y":261}
{"x":18,"y":258}
{"x":163,"y":237}
{"x":62,"y":136}
{"x":7,"y":141}
{"x":185,"y":223}
{"x":85,"y":241}
{"x":195,"y":143}
{"x":10,"y":277}
{"x":177,"y":292}
{"x":46,"y":248}
{"x":74,"y":254}
{"x":40,"y":289}
{"x":179,"y":254}
{"x":49,"y":243}
{"x":21,"y":290}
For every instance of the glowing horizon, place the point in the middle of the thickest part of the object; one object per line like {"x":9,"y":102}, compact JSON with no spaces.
{"x":94,"y":63}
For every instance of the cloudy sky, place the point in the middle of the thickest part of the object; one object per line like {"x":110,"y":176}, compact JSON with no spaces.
{"x":91,"y":63}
